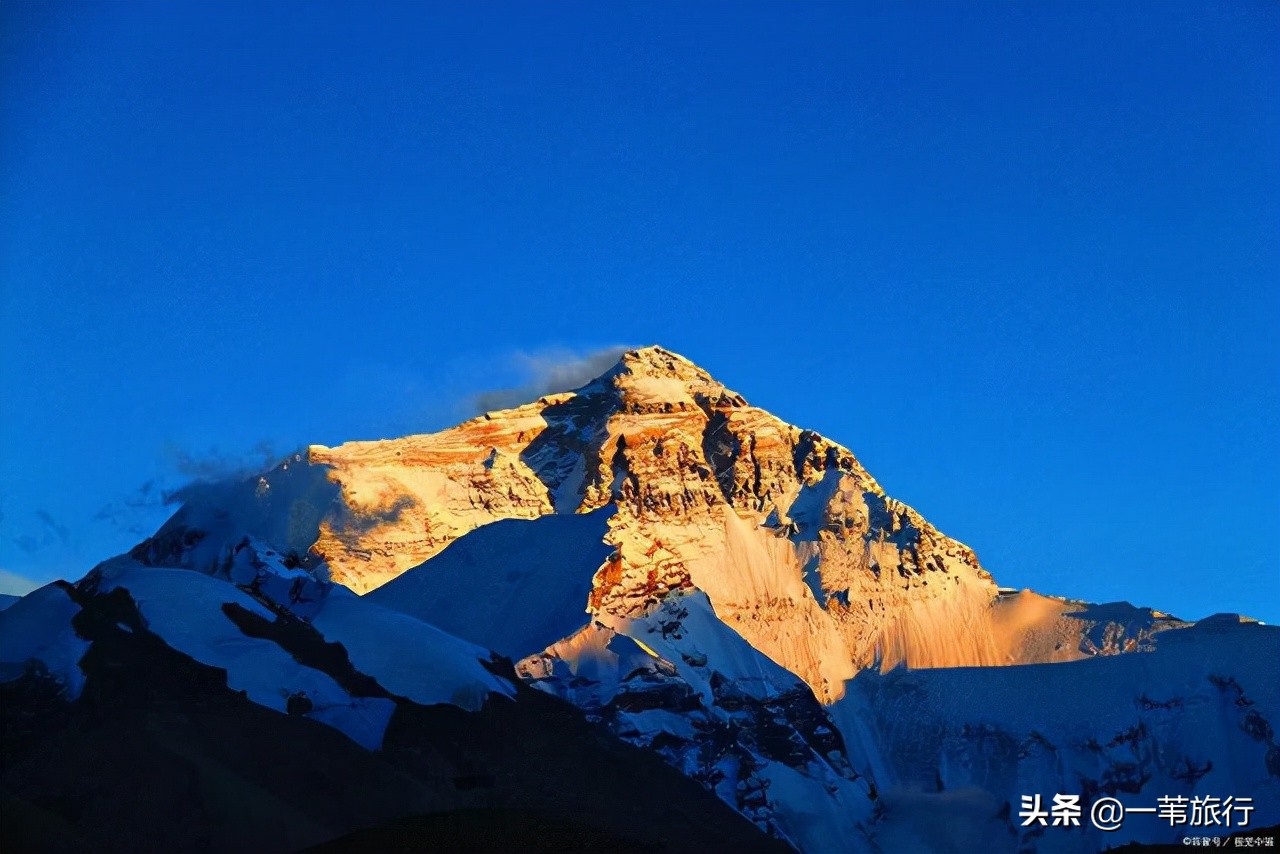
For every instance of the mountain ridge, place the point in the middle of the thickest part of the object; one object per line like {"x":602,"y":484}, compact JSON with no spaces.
{"x":661,"y":439}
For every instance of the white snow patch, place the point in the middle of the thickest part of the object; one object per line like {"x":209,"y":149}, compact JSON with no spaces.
{"x":515,"y":586}
{"x":38,"y":627}
{"x":701,"y":644}
{"x":184,"y":608}
{"x":653,"y":721}
{"x":407,"y":656}
{"x":813,"y":817}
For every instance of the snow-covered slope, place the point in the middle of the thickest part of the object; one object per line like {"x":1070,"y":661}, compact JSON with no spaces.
{"x":255,"y":624}
{"x":36,"y":633}
{"x":190,"y":612}
{"x":950,"y":749}
{"x":682,"y":683}
{"x":514,"y":586}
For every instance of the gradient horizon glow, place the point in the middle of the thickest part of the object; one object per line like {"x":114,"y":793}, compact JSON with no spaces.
{"x":1021,"y":259}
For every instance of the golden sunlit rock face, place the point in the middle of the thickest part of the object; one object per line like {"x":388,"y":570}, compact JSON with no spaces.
{"x":797,"y":547}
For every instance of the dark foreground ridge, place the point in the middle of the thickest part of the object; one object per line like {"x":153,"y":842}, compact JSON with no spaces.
{"x":158,"y":754}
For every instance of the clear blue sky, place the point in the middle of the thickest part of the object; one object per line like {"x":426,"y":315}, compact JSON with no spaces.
{"x":1021,"y":258}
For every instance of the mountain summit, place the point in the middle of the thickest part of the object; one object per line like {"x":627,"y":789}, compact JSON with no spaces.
{"x":793,"y":543}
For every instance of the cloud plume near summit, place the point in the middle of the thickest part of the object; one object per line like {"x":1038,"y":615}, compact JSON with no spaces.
{"x":197,"y":472}
{"x":548,"y":371}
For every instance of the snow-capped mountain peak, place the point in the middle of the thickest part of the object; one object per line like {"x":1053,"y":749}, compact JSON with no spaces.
{"x":696,"y":576}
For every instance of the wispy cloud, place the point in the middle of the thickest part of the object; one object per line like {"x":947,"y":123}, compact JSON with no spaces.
{"x":215,"y":464}
{"x":53,"y":527}
{"x":48,"y":532}
{"x":134,"y":513}
{"x":548,"y":371}
{"x":196,"y":472}
{"x":214,"y":470}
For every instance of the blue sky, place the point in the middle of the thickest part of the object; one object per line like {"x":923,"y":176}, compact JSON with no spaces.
{"x":1020,"y":258}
